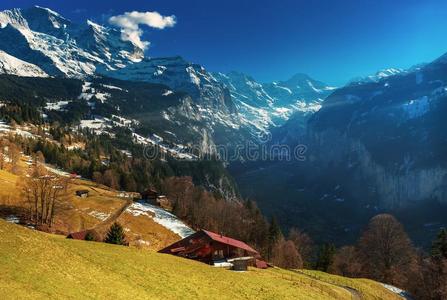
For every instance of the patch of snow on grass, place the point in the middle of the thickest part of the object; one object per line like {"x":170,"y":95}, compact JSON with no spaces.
{"x":161,"y":217}
{"x":397,"y":291}
{"x":56,"y":105}
{"x":88,"y":92}
{"x":57,"y":171}
{"x":12,"y":219}
{"x":99,"y":215}
{"x":97,"y":125}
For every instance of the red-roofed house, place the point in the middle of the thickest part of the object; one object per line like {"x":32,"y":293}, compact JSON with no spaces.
{"x":210,"y":247}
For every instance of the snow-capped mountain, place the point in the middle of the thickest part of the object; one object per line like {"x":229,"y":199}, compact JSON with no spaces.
{"x":11,"y":65}
{"x":44,"y":38}
{"x":219,"y":108}
{"x":388,"y":132}
{"x":47,"y":41}
{"x":377,"y":146}
{"x":384,"y":73}
{"x":265,"y":105}
{"x":180,"y":75}
{"x":378,"y":75}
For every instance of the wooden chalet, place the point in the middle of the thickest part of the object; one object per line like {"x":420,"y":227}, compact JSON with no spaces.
{"x":150,"y":194}
{"x":212,"y":248}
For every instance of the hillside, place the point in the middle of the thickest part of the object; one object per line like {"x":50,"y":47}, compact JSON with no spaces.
{"x":41,"y":266}
{"x":98,"y":211}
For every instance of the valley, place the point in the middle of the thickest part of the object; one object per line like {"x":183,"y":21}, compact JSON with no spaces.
{"x":125,"y":154}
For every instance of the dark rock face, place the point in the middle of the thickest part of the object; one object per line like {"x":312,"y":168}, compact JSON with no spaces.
{"x":374,"y":146}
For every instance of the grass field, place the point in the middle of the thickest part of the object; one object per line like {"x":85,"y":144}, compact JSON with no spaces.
{"x":36,"y":265}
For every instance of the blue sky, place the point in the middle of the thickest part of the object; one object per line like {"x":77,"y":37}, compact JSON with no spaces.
{"x":330,"y":40}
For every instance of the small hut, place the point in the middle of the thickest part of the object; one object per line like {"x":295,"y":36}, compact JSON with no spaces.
{"x":150,"y":195}
{"x":82,"y":193}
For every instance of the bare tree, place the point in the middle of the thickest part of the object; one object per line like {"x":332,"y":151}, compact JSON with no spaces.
{"x":43,"y":192}
{"x":303,"y":243}
{"x":38,"y":158}
{"x":386,"y":252}
{"x":285,"y":255}
{"x":14,"y":157}
{"x":346,"y":262}
{"x":3,"y":153}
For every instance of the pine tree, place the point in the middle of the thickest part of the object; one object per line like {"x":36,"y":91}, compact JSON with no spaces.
{"x":274,"y":235}
{"x":439,"y":246}
{"x":325,"y":257}
{"x":116,"y":235}
{"x":90,"y":236}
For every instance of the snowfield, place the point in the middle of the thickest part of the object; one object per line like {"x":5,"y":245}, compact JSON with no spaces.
{"x":11,"y":65}
{"x":161,"y":217}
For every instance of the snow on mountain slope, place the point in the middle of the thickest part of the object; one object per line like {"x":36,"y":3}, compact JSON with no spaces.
{"x":272,"y":104}
{"x":211,"y":105}
{"x":379,"y":75}
{"x":223,"y":104}
{"x":179,"y":75}
{"x":11,"y":65}
{"x":43,"y":37}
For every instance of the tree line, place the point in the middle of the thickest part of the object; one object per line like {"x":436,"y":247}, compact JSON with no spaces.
{"x":385,"y":253}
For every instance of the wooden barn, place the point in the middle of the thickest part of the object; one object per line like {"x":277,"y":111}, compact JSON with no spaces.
{"x":214,"y":249}
{"x":150,"y":194}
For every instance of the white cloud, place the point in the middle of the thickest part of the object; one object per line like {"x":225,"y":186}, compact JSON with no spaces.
{"x":130,"y":22}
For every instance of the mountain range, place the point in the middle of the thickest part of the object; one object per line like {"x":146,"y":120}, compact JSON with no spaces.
{"x":39,"y":42}
{"x":376,"y":144}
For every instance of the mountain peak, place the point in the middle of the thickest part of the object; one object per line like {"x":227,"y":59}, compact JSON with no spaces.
{"x":299,"y":77}
{"x":48,"y":40}
{"x":49,"y":11}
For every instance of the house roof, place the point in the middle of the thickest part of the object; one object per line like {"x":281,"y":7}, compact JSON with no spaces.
{"x":82,"y":191}
{"x":78,"y":235}
{"x":229,"y":241}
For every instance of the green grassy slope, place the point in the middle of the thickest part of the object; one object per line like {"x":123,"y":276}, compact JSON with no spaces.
{"x":36,"y":265}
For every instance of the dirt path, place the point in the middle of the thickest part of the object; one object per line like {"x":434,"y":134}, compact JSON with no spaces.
{"x":355,"y":295}
{"x":113,"y":217}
